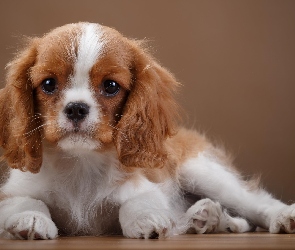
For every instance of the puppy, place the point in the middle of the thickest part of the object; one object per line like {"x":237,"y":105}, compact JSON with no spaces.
{"x":89,"y":127}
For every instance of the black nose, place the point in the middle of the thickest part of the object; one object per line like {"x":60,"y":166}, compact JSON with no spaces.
{"x":76,"y":111}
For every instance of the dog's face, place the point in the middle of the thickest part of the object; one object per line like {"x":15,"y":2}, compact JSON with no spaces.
{"x":86,"y":87}
{"x":81,"y":81}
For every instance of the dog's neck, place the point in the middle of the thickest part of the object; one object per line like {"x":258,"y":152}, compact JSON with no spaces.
{"x":80,"y":159}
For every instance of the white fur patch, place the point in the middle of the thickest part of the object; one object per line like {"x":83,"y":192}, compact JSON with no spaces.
{"x":131,"y":189}
{"x":78,"y":184}
{"x":205,"y":176}
{"x":90,"y":47}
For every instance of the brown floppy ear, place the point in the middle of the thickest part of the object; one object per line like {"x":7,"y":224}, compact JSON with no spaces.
{"x":20,"y":136}
{"x":149,"y":115}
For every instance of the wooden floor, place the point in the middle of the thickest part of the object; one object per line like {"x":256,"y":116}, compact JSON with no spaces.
{"x":217,"y":241}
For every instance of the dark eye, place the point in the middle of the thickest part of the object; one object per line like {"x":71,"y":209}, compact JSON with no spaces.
{"x":49,"y":85}
{"x":110,"y":88}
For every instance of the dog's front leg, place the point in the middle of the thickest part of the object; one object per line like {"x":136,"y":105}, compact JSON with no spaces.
{"x":26,"y":218}
{"x":144,"y":211}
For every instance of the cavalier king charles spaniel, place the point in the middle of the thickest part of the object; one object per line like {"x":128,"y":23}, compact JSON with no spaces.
{"x":89,"y":129}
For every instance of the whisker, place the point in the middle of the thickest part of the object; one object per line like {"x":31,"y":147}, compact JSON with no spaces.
{"x":114,"y":127}
{"x":33,"y":130}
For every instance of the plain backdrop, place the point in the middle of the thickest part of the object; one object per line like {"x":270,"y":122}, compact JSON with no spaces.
{"x":235,"y":59}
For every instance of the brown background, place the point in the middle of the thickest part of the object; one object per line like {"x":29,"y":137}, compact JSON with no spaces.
{"x":236,"y":60}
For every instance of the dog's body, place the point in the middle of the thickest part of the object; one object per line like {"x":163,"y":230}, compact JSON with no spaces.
{"x":91,"y":116}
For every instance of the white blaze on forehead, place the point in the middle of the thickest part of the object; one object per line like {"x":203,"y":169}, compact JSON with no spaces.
{"x":90,"y":47}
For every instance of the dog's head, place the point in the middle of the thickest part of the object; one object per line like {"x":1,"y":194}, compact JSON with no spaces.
{"x":86,"y":87}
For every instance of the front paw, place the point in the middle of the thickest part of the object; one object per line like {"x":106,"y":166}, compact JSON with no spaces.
{"x":284,"y":221}
{"x":147,"y":224}
{"x":31,"y":226}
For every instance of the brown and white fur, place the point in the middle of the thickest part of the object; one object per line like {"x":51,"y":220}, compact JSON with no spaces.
{"x":89,"y":128}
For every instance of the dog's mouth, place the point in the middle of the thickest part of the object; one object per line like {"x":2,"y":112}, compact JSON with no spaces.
{"x":78,"y":140}
{"x":76,"y":128}
{"x":76,"y":131}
